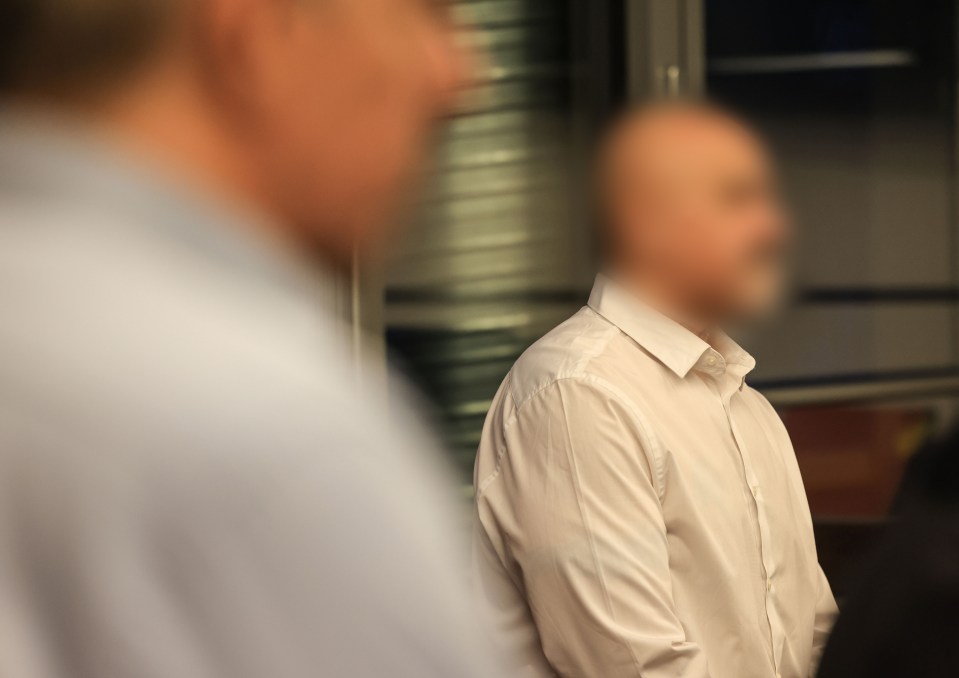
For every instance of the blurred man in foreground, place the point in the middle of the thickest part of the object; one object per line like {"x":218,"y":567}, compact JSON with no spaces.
{"x":190,"y":485}
{"x":640,"y":509}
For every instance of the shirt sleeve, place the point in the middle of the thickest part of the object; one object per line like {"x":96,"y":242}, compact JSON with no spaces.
{"x":826,"y":612}
{"x":586,"y":534}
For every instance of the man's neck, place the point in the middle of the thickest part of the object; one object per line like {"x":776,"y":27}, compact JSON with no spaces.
{"x":167,"y":124}
{"x":664,"y":299}
{"x":174,"y":132}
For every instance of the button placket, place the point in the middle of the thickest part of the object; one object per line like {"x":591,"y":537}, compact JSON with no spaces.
{"x":755,"y":492}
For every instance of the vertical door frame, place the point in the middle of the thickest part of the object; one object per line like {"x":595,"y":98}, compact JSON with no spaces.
{"x":666,"y":47}
{"x":363,"y":304}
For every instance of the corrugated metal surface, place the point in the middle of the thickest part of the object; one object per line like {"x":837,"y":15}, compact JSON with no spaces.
{"x":499,"y":246}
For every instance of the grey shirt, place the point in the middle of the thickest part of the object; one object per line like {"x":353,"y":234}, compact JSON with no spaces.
{"x":191,"y":484}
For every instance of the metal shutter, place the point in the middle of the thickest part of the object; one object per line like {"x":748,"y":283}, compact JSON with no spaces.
{"x":492,"y":261}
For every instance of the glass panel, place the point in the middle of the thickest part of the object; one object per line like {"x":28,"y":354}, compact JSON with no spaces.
{"x":823,"y":342}
{"x":858,"y":100}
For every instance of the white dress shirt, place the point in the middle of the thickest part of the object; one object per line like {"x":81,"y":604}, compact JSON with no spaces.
{"x":640,"y":509}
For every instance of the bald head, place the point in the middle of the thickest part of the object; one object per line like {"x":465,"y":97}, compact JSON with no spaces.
{"x":691,"y":207}
{"x":652,"y":154}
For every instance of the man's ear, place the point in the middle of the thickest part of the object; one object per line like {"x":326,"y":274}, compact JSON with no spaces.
{"x":242,"y":48}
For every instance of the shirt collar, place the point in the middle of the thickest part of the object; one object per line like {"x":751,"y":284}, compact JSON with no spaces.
{"x":666,"y":340}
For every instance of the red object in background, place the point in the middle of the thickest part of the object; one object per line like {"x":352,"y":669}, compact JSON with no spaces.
{"x":853,"y":458}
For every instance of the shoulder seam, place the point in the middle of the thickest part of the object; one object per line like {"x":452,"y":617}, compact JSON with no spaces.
{"x":577,"y":369}
{"x":650,"y":441}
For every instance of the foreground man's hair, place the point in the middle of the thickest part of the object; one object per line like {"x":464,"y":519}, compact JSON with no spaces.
{"x":64,"y":48}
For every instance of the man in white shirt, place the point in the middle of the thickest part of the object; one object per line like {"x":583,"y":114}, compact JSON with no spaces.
{"x":192,"y":485}
{"x":639,"y":507}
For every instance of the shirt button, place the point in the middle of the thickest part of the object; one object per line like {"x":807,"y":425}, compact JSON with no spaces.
{"x":769,"y":585}
{"x":711,"y":360}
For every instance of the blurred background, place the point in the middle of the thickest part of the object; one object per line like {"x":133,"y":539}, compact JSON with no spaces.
{"x":858,"y":99}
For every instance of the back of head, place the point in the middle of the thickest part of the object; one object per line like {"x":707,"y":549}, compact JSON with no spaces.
{"x":691,"y":209}
{"x":313,"y":113}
